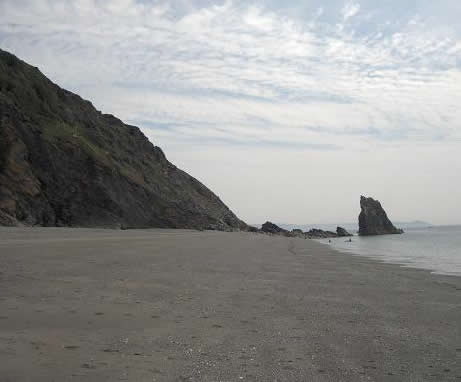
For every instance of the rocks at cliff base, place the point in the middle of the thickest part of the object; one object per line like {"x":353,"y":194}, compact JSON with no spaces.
{"x":315,"y":233}
{"x":269,"y":227}
{"x":373,"y":219}
{"x":297,"y":233}
{"x":341,"y":232}
{"x":8,"y":221}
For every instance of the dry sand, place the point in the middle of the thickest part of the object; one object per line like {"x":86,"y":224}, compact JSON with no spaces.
{"x":165,"y":305}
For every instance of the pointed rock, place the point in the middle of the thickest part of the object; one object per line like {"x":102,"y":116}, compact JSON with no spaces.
{"x":373,"y":219}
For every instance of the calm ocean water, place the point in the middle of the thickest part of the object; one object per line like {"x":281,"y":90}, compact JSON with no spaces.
{"x":436,"y":248}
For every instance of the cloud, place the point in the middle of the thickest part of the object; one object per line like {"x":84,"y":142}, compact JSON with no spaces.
{"x":307,"y":100}
{"x":350,"y":10}
{"x":225,"y":65}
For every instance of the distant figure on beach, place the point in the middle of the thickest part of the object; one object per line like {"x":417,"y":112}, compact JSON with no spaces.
{"x":348,"y":241}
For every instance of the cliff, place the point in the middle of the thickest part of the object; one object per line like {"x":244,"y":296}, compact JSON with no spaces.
{"x":63,"y":163}
{"x":373,"y":219}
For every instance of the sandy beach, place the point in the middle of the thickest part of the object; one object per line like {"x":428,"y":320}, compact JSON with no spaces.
{"x":178,"y":305}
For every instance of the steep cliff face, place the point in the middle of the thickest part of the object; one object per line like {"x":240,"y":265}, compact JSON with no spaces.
{"x":373,"y":219}
{"x":63,"y":163}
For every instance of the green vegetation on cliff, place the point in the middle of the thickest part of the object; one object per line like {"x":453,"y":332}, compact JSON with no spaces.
{"x":63,"y":163}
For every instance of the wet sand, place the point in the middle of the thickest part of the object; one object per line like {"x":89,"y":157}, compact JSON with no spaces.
{"x":166,"y":305}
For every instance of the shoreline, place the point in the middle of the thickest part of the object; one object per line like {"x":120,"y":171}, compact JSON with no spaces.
{"x":182,"y":305}
{"x":407,"y":252}
{"x":386,"y":261}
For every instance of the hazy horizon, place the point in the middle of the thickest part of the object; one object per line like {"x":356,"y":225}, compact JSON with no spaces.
{"x":288,"y":111}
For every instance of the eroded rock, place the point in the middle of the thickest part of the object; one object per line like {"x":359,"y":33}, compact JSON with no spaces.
{"x":373,"y":219}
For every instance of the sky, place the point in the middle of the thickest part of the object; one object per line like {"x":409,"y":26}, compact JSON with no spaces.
{"x":288,"y":110}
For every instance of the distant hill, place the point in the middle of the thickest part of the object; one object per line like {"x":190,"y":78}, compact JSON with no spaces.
{"x":413,"y":224}
{"x":63,"y":163}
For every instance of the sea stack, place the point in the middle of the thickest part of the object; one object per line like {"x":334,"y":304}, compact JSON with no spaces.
{"x":373,"y":219}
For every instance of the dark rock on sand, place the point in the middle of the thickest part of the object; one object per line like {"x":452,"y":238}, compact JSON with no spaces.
{"x":298,"y":233}
{"x":341,"y":232}
{"x":315,"y":233}
{"x":64,"y":163}
{"x":269,"y":227}
{"x":373,"y":219}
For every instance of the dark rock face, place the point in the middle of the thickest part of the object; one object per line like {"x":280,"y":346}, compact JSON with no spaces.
{"x":63,"y":163}
{"x":315,"y":233}
{"x":373,"y":219}
{"x":269,"y":227}
{"x":341,"y":232}
{"x":298,"y":233}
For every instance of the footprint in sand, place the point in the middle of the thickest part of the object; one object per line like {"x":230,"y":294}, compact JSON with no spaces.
{"x":71,"y":347}
{"x":111,"y":350}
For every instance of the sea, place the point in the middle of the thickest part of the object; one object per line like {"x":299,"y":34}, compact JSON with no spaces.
{"x":435,"y":248}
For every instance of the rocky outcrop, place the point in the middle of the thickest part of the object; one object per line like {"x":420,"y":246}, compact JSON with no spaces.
{"x":63,"y":163}
{"x":298,"y":233}
{"x":269,"y":227}
{"x":315,"y":233}
{"x":8,"y":221}
{"x":373,"y":219}
{"x":341,"y":232}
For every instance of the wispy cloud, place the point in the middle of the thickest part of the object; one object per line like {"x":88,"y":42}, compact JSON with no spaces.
{"x":221,"y":63}
{"x":350,"y":10}
{"x":316,"y":77}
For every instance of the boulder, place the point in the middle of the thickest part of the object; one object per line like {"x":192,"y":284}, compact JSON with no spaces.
{"x":315,"y":233}
{"x":341,"y":232}
{"x":298,"y":233}
{"x":373,"y":219}
{"x":269,"y":227}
